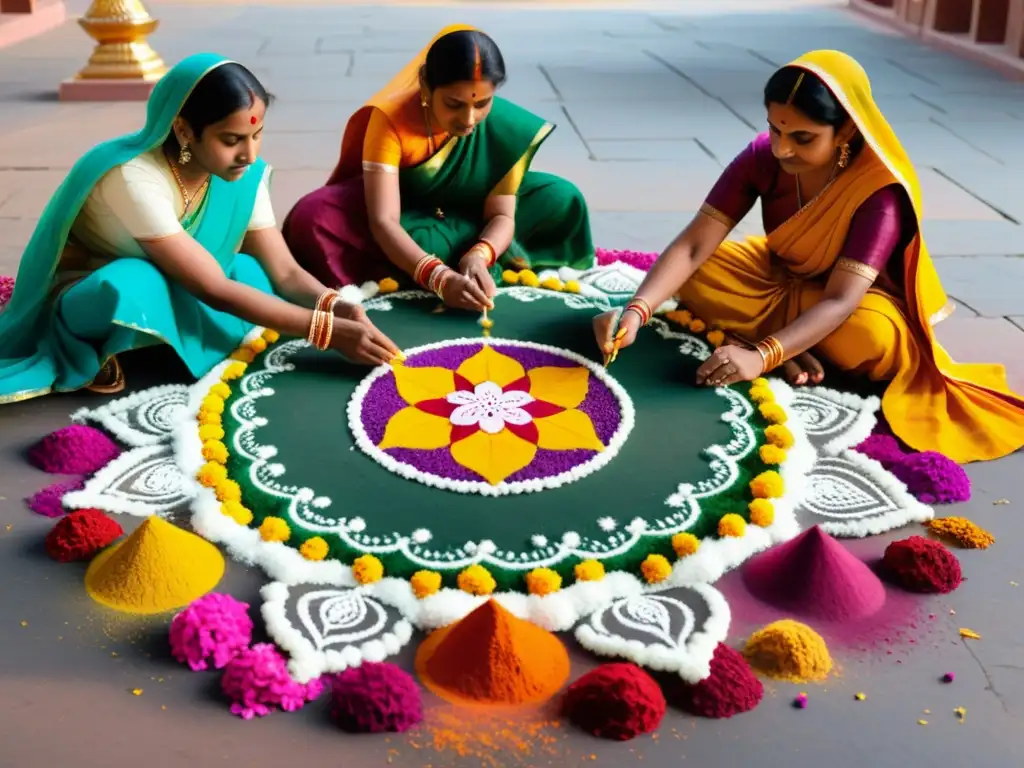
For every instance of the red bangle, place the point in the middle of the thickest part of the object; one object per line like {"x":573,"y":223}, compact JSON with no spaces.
{"x":424,"y":268}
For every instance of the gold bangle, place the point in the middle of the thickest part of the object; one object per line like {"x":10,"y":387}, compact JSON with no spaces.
{"x":642,"y":308}
{"x":328,"y":331}
{"x":772,"y":353}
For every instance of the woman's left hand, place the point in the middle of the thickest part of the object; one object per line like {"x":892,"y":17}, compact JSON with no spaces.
{"x":355,"y":313}
{"x":730,"y":364}
{"x":475,"y":268}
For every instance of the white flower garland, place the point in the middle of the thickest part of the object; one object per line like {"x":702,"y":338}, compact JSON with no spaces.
{"x":618,"y":439}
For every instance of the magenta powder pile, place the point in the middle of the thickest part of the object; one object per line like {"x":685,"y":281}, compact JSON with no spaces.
{"x":74,"y":450}
{"x":814,"y":575}
{"x":922,"y":565}
{"x":732,"y":687}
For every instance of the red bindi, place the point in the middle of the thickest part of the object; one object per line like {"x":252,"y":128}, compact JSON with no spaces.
{"x":252,"y":120}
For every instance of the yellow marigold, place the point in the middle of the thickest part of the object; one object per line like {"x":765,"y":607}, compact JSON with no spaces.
{"x":367,"y":569}
{"x":233,"y":370}
{"x":572,"y":286}
{"x":589,"y":570}
{"x":213,"y":404}
{"x":680,"y":316}
{"x":767,"y":485}
{"x":258,"y":345}
{"x":510,"y":276}
{"x":237,"y":512}
{"x":773,"y":412}
{"x":760,"y":381}
{"x":761,"y":395}
{"x":779,"y":435}
{"x":732,"y":525}
{"x":205,"y":417}
{"x":529,"y":278}
{"x":477,"y":580}
{"x":208,"y":432}
{"x":685,"y":544}
{"x":425,"y":583}
{"x":221,"y":390}
{"x":243,"y":355}
{"x":656,"y":568}
{"x":314,"y":549}
{"x":228,"y":490}
{"x":697,"y":325}
{"x":772,"y":454}
{"x":552,"y":284}
{"x":211,"y":473}
{"x":716,"y":338}
{"x":762,"y":513}
{"x":215,"y":450}
{"x":387,"y":285}
{"x":271,"y":336}
{"x":275,"y":529}
{"x":543,"y":581}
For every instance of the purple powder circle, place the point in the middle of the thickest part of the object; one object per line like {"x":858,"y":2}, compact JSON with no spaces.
{"x":381,"y":401}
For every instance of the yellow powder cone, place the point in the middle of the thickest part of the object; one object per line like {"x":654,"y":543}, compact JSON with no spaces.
{"x":158,"y":568}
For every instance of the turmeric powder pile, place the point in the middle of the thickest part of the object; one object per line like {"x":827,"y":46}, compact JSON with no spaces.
{"x":962,"y":531}
{"x":789,"y":650}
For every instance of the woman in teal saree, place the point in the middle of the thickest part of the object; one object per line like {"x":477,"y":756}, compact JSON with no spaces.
{"x":434,"y":185}
{"x":167,"y":236}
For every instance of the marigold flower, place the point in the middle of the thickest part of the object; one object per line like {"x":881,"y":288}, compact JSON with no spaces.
{"x":271,"y":336}
{"x":367,"y":569}
{"x":656,"y":568}
{"x":697,"y":325}
{"x":572,"y":286}
{"x":477,"y":580}
{"x":211,"y":473}
{"x":221,"y":390}
{"x":215,"y":450}
{"x":425,"y":583}
{"x":589,"y":570}
{"x":762,"y":512}
{"x":552,"y":284}
{"x":780,"y":435}
{"x":761,"y":394}
{"x":274,"y":529}
{"x":234,"y":370}
{"x":767,"y":485}
{"x":237,"y":512}
{"x":314,"y":549}
{"x":685,"y":544}
{"x":387,"y":285}
{"x":716,"y":338}
{"x":204,"y":417}
{"x":510,"y":276}
{"x":213,"y":404}
{"x":244,"y":355}
{"x":732,"y":525}
{"x":543,"y":581}
{"x":772,"y":454}
{"x":228,"y":490}
{"x":211,"y":432}
{"x":680,"y":316}
{"x":773,"y":412}
{"x":258,"y":345}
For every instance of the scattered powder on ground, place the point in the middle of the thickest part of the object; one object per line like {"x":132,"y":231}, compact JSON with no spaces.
{"x":814,"y":575}
{"x":732,"y":687}
{"x":81,"y":535}
{"x":962,"y":531}
{"x":158,"y":568}
{"x":922,"y":565}
{"x":789,"y":650}
{"x":615,"y":701}
{"x":492,"y":657}
{"x":491,"y":740}
{"x":73,"y":450}
{"x":47,"y":502}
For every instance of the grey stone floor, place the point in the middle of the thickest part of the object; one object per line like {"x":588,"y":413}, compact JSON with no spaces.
{"x":652,"y":99}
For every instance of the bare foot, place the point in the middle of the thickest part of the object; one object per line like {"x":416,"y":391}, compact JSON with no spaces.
{"x":803,"y":369}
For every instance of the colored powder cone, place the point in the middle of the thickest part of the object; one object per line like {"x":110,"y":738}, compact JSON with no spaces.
{"x":814,"y":575}
{"x":157,"y":568}
{"x":492,"y":657}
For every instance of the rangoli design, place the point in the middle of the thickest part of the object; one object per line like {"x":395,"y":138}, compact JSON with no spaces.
{"x":503,"y":417}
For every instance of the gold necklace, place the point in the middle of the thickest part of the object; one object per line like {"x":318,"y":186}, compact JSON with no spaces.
{"x":799,"y":196}
{"x":188,"y":199}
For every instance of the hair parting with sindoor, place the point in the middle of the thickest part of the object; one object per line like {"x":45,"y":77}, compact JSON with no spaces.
{"x":812,"y":98}
{"x":223,"y":91}
{"x":465,"y":55}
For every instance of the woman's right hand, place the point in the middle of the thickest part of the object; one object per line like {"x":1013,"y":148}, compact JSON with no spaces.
{"x":362,"y":342}
{"x":605,"y":330}
{"x":463,"y":292}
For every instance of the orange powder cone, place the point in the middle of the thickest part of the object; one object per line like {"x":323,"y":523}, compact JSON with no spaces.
{"x":157,"y":568}
{"x":492,"y":657}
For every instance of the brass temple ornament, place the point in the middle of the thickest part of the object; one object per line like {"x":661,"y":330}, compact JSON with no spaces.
{"x":120,"y":29}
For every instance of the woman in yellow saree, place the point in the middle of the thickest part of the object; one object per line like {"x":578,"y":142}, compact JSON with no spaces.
{"x":843,"y":270}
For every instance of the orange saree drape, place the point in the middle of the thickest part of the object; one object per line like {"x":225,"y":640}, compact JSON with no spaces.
{"x":755,"y":287}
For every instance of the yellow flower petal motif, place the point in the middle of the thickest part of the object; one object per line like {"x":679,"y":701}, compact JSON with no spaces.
{"x":566,"y":387}
{"x":425,"y":583}
{"x":488,"y":365}
{"x":413,"y":428}
{"x":567,"y":431}
{"x":494,"y":457}
{"x":418,"y":384}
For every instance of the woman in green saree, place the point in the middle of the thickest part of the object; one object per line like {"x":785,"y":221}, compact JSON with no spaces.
{"x":434,"y":185}
{"x":167,"y":236}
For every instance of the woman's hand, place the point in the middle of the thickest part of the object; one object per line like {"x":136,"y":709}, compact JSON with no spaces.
{"x":605,"y":330}
{"x":463,"y":292}
{"x":360,"y":341}
{"x":730,"y":364}
{"x":475,"y":268}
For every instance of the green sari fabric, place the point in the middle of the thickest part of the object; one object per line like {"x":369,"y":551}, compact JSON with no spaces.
{"x":60,"y":344}
{"x":443,"y":198}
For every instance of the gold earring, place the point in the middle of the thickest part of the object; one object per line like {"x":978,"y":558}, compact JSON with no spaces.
{"x":423,"y":101}
{"x":184,"y":156}
{"x":844,"y":155}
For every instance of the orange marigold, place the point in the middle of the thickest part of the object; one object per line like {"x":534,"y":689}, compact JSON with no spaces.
{"x":762,"y":512}
{"x":367,"y":569}
{"x":425,"y":583}
{"x":656,"y":568}
{"x":543,"y":581}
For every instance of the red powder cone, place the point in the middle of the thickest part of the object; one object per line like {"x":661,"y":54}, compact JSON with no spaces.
{"x":492,"y":657}
{"x":814,"y":575}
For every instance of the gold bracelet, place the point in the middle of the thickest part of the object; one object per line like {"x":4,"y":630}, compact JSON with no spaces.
{"x":772,"y":353}
{"x":642,"y":308}
{"x":327,"y":332}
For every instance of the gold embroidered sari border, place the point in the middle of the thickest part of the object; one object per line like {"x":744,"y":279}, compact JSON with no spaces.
{"x":717,"y":215}
{"x":846,"y":264}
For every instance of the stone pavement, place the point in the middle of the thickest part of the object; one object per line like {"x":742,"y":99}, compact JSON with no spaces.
{"x":651,"y":103}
